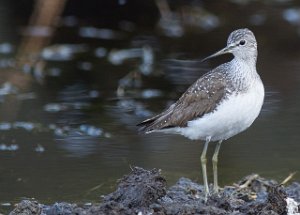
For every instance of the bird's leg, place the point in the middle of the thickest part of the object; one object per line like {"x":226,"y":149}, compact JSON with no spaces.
{"x":215,"y":166}
{"x":203,"y":164}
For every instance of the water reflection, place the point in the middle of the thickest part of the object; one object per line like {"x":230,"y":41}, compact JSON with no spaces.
{"x":187,"y":70}
{"x":71,"y":131}
{"x":103,"y":33}
{"x":272,"y":102}
{"x":62,"y":52}
{"x":177,"y":23}
{"x":127,"y":111}
{"x":292,"y":15}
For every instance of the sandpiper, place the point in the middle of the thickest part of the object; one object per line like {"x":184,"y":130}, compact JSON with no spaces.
{"x":220,"y":104}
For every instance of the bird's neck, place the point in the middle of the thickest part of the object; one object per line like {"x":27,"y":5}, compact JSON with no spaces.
{"x":243,"y":66}
{"x":244,"y":61}
{"x":243,"y":72}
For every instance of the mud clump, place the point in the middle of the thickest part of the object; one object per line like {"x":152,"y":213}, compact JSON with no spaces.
{"x":135,"y":193}
{"x":145,"y":192}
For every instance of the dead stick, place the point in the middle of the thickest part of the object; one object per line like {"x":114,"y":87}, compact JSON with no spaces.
{"x":291,"y":175}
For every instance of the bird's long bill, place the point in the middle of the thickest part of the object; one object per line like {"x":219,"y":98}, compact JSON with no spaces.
{"x":225,"y":50}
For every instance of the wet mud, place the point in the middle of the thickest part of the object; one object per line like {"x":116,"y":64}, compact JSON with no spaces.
{"x":145,"y":192}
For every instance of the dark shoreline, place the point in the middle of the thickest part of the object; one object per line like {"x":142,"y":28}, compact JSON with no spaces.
{"x":145,"y":192}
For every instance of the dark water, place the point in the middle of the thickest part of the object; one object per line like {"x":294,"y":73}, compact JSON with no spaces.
{"x":70,"y":136}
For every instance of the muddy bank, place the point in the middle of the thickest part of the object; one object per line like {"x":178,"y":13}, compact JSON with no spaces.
{"x":145,"y":192}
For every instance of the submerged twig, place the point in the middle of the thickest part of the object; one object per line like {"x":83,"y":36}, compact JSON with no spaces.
{"x":94,"y":188}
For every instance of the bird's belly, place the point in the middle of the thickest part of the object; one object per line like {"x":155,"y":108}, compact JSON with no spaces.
{"x":232,"y":116}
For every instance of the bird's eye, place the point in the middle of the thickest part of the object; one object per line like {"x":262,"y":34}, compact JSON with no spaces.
{"x":242,"y":42}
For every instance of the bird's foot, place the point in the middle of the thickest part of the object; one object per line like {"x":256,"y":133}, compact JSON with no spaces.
{"x":214,"y":192}
{"x":206,"y":195}
{"x":216,"y":189}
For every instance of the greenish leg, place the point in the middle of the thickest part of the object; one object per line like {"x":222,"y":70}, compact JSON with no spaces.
{"x":203,"y":164}
{"x":215,"y":166}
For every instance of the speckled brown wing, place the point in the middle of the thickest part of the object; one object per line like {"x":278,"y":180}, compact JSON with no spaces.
{"x":200,"y":98}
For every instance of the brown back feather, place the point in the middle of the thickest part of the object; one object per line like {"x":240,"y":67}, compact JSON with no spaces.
{"x":199,"y":99}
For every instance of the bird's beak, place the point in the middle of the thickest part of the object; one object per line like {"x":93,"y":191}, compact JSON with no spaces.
{"x":225,"y":50}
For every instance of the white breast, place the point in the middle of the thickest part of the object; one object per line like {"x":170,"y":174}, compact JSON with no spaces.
{"x":232,"y":116}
